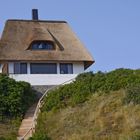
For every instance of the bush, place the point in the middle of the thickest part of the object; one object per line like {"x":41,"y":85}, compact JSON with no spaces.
{"x":132,"y":95}
{"x":2,"y":138}
{"x":70,"y":94}
{"x":15,"y":97}
{"x":40,"y":136}
{"x":89,"y":83}
{"x":114,"y":80}
{"x":136,"y":137}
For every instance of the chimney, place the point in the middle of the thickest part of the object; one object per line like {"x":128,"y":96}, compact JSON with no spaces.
{"x":34,"y":14}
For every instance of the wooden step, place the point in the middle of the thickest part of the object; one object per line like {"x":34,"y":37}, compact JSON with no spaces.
{"x":27,"y":122}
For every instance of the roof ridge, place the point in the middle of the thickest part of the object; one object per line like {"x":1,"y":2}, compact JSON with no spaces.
{"x":50,"y":21}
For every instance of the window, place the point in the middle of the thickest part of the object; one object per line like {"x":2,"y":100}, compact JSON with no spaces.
{"x":23,"y":68}
{"x":43,"y":68}
{"x":42,"y":45}
{"x":66,"y":68}
{"x":20,"y":68}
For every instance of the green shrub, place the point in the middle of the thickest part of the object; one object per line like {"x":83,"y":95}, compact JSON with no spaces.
{"x":136,"y":137}
{"x":132,"y":95}
{"x":15,"y":97}
{"x":40,"y":136}
{"x":90,"y":83}
{"x":70,"y":94}
{"x":58,"y":98}
{"x":2,"y":138}
{"x":115,"y":80}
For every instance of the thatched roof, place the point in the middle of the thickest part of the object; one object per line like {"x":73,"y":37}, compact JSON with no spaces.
{"x":19,"y":34}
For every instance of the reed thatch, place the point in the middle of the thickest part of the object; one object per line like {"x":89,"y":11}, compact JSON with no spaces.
{"x":19,"y":34}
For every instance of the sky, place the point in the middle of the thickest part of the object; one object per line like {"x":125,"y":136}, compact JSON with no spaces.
{"x":110,"y":29}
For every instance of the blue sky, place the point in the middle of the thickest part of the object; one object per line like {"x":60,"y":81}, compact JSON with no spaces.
{"x":110,"y":29}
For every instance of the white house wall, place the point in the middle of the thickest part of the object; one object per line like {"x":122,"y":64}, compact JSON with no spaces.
{"x":78,"y":67}
{"x":46,"y":79}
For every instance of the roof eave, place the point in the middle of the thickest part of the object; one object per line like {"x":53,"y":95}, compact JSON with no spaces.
{"x":88,"y":64}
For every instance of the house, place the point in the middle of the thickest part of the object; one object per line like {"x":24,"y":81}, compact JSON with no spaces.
{"x":42,"y":52}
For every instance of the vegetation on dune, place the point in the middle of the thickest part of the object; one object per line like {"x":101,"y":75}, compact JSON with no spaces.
{"x":132,"y":95}
{"x":95,"y":106}
{"x":89,"y":83}
{"x":15,"y":99}
{"x":101,"y":117}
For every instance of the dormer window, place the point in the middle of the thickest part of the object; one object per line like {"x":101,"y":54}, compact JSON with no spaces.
{"x":42,"y":45}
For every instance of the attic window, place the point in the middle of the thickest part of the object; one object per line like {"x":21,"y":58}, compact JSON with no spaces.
{"x":42,"y":45}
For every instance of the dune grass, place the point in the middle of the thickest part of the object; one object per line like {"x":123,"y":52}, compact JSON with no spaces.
{"x":97,"y":106}
{"x":9,"y":129}
{"x":102,"y":117}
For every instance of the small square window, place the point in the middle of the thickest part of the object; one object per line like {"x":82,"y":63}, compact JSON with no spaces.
{"x":66,"y":68}
{"x":20,"y":68}
{"x":23,"y":68}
